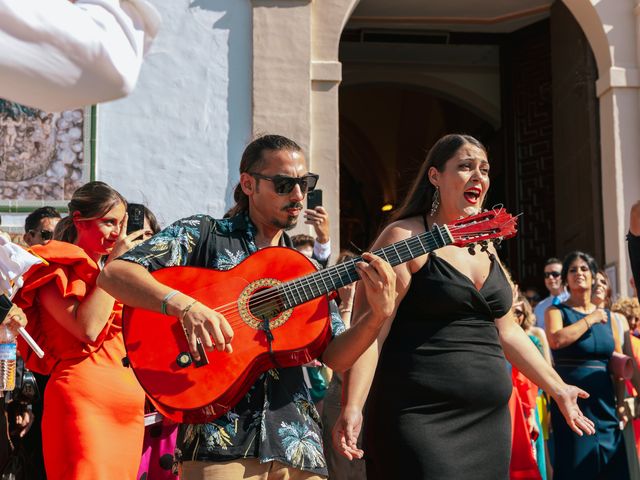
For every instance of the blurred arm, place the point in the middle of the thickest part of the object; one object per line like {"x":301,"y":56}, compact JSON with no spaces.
{"x":56,"y":55}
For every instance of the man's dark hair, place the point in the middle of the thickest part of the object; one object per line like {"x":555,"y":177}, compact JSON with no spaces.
{"x":33,"y":219}
{"x":301,"y":240}
{"x":253,"y":160}
{"x":552,"y":260}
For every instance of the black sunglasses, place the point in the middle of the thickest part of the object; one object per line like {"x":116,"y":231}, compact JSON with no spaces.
{"x":551,"y":274}
{"x":284,"y":184}
{"x":45,"y":234}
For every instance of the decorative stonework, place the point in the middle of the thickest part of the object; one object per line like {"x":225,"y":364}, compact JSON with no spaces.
{"x":42,"y":155}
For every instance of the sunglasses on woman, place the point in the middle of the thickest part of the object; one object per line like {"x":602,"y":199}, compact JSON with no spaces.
{"x":284,"y":184}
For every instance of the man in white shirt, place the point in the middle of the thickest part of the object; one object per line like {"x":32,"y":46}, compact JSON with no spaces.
{"x":553,"y":282}
{"x":56,"y":55}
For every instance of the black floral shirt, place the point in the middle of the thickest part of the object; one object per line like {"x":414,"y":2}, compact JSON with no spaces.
{"x":276,"y":420}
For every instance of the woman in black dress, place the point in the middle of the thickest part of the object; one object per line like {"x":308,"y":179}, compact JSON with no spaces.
{"x":437,"y":372}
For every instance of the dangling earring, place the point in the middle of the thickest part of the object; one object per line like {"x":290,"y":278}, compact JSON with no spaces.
{"x":436,"y":202}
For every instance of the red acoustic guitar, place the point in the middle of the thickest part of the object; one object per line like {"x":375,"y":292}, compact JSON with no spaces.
{"x":277,"y":304}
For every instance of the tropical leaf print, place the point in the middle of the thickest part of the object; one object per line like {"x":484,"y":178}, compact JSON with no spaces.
{"x":176,"y":242}
{"x":303,"y":447}
{"x":227,"y":260}
{"x":170,"y":247}
{"x":305,"y":407}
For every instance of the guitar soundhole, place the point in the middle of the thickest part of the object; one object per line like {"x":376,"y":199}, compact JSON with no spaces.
{"x":264,"y":305}
{"x":259,"y":302}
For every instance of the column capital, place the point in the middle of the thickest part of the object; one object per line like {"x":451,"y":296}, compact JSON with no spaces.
{"x":617,"y":77}
{"x":326,"y":71}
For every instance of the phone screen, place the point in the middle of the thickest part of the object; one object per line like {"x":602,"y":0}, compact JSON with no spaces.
{"x":136,"y":217}
{"x":314,"y":199}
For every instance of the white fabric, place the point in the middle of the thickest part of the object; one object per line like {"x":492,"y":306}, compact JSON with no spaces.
{"x":321,"y":251}
{"x":56,"y":55}
{"x":14,"y":262}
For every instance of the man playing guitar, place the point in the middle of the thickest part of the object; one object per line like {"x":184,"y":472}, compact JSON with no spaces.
{"x":274,"y":431}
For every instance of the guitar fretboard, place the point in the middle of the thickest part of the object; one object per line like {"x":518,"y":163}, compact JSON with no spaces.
{"x":330,"y":279}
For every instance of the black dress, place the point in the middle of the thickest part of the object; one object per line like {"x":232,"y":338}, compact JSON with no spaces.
{"x":438,"y":407}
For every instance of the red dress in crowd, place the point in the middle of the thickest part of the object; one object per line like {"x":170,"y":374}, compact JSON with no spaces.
{"x":635,"y":349}
{"x":523,"y":462}
{"x":92,"y":426}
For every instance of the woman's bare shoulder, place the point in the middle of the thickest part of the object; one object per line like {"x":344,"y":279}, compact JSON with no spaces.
{"x":402,"y":229}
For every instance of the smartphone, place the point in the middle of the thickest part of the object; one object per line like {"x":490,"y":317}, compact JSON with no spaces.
{"x":136,"y":217}
{"x":314,"y":199}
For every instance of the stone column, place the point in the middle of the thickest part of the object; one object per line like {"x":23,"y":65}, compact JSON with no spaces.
{"x":296,"y":75}
{"x":281,"y":73}
{"x":613,"y":30}
{"x":329,"y":17}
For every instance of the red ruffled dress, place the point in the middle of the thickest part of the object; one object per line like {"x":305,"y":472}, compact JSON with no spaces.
{"x":92,"y":426}
{"x":523,"y":464}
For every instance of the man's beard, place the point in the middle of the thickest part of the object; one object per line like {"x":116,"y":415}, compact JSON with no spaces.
{"x":291,"y":222}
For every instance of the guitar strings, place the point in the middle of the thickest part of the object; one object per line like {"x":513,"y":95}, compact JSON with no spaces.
{"x":323,"y":273}
{"x":232,"y":314}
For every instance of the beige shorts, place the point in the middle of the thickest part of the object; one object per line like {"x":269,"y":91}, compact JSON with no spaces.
{"x":244,"y":469}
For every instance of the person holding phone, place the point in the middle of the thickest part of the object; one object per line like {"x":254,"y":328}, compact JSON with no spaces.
{"x":274,"y":431}
{"x":92,"y":425}
{"x":316,"y":216}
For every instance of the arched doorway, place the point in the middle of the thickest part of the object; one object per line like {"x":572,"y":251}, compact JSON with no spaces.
{"x":533,"y":103}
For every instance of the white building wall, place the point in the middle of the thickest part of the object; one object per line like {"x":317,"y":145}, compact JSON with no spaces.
{"x":175,"y":143}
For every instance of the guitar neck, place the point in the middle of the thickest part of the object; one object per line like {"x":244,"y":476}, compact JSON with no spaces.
{"x":320,"y":283}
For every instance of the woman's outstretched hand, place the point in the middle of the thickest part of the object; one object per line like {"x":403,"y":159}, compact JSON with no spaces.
{"x":567,"y":400}
{"x":346,"y":431}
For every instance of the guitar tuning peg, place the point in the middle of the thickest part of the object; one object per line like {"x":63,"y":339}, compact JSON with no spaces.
{"x":497,"y":241}
{"x":484,"y":246}
{"x":472,"y":248}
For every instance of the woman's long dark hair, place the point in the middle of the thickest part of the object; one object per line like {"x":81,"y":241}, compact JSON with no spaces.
{"x":253,"y":160}
{"x":418,"y":200}
{"x":92,"y":200}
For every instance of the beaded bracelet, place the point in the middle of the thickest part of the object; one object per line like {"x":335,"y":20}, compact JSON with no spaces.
{"x":167,"y":297}
{"x":186,"y":309}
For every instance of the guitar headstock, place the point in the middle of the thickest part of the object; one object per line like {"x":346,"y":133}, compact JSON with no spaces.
{"x":495,"y":225}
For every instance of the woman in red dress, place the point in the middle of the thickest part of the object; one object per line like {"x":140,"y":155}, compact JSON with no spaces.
{"x":92,"y":425}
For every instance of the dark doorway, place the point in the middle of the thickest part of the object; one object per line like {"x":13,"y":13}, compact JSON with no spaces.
{"x":385,"y":133}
